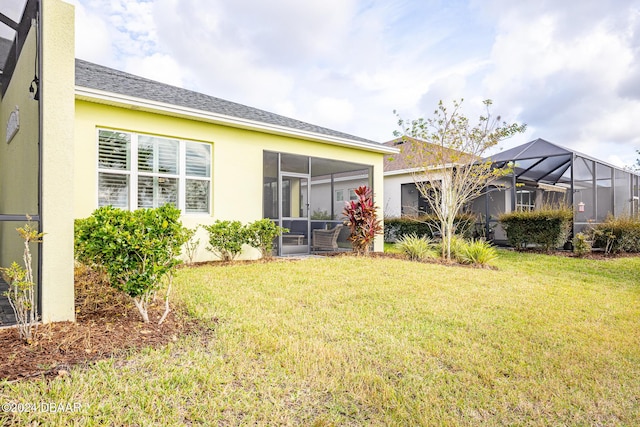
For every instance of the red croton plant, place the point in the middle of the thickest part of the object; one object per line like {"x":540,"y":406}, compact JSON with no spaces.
{"x":362,"y":218}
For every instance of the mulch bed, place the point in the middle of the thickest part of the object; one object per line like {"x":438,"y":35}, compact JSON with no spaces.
{"x":107,"y":324}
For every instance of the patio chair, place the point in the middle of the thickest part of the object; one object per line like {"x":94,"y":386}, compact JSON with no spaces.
{"x":326,"y":240}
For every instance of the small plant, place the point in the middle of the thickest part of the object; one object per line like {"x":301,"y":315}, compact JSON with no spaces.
{"x":458,"y":248}
{"x":226,"y":238}
{"x":581,"y":245}
{"x":191,"y":245}
{"x":458,"y":245}
{"x":477,"y":252}
{"x":417,"y":248}
{"x":320,"y":215}
{"x":362,"y":219}
{"x":261,"y":233}
{"x":22,"y":287}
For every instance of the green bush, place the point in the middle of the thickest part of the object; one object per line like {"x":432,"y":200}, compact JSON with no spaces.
{"x":426,"y":225}
{"x":581,"y":245}
{"x":191,"y":244}
{"x":320,"y":215}
{"x":548,"y":228}
{"x":417,"y":248}
{"x":616,"y":235}
{"x":477,"y":252}
{"x":226,"y":238}
{"x":136,"y":249}
{"x":260,"y":235}
{"x":458,"y":245}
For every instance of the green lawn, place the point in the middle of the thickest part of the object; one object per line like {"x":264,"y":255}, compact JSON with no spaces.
{"x":354,"y":341}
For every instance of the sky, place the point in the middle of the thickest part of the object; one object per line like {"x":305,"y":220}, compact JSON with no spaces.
{"x":568,"y":69}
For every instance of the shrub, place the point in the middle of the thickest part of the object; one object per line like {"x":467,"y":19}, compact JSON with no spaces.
{"x":226,"y":238}
{"x":22,"y":287}
{"x":260,"y":235}
{"x":136,"y":249}
{"x":320,"y":215}
{"x":426,"y":225}
{"x":477,"y":252}
{"x":417,"y":248}
{"x":458,"y":248}
{"x":548,"y":227}
{"x":621,"y":234}
{"x":191,"y":244}
{"x":581,"y":245}
{"x":458,"y":244}
{"x":362,"y":220}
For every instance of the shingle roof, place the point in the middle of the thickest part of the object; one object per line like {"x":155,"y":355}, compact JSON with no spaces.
{"x":93,"y":76}
{"x":413,"y":154}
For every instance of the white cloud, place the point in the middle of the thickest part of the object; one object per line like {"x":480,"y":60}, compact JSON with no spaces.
{"x":333,"y":111}
{"x":563,"y":67}
{"x":159,"y":67}
{"x":572,"y":73}
{"x":93,"y":41}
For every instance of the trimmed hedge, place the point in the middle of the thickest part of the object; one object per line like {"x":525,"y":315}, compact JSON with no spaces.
{"x":548,"y":228}
{"x":617,"y":235}
{"x":426,"y":225}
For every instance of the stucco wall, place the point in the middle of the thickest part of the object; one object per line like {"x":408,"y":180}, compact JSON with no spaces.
{"x":237,"y":160}
{"x":58,"y":89}
{"x":392,"y":190}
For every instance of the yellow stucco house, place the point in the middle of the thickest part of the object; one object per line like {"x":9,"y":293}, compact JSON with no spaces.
{"x":110,"y":138}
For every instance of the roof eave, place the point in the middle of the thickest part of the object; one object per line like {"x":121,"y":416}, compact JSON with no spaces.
{"x":421,"y":170}
{"x":119,"y":100}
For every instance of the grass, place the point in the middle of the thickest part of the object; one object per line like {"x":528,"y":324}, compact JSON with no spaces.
{"x":355,"y":341}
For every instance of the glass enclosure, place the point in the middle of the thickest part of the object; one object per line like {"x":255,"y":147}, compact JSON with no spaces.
{"x":307,"y":195}
{"x":547,"y":174}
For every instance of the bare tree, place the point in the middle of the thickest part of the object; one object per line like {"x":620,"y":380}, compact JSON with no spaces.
{"x":447,"y":154}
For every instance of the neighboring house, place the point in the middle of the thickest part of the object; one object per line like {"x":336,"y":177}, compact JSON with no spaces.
{"x":96,"y":136}
{"x":402,"y":197}
{"x":543,"y":174}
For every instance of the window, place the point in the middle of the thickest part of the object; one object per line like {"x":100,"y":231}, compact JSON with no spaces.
{"x":525,"y":200}
{"x":413,"y":203}
{"x":340,"y":195}
{"x":142,"y":171}
{"x":352,"y":194}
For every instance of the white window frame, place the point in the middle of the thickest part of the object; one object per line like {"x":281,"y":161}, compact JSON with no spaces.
{"x":133,"y":173}
{"x":527,"y":205}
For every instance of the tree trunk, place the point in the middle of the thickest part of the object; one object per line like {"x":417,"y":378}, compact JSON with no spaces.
{"x":141,"y":305}
{"x":166,"y":301}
